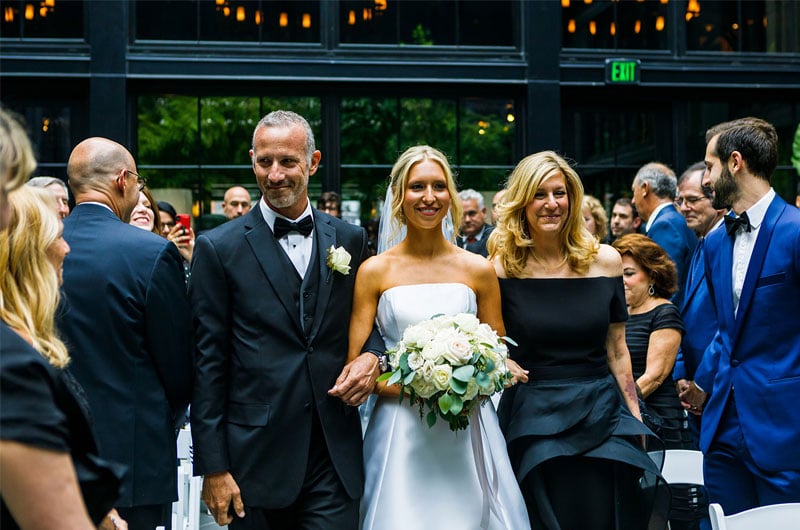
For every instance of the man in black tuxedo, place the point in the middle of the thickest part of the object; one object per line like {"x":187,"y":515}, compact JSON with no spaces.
{"x":125,"y":317}
{"x":275,"y":429}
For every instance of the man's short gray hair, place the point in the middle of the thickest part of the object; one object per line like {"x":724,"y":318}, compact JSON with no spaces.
{"x":43,"y":182}
{"x":287,"y":118}
{"x":660,"y":178}
{"x":471,"y":195}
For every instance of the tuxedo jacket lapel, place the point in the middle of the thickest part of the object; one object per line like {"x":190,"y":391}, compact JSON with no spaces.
{"x":266,"y":250}
{"x":696,"y":274}
{"x":325,"y":237}
{"x":757,"y":260}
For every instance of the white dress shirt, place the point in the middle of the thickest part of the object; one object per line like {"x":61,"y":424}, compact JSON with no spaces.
{"x":297,"y":246}
{"x":745,"y":242}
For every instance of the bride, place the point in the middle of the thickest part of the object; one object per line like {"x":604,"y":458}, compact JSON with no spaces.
{"x":420,"y":477}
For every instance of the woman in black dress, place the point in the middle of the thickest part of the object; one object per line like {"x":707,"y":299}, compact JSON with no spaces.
{"x":653,"y":333}
{"x":51,"y":474}
{"x":573,"y":430}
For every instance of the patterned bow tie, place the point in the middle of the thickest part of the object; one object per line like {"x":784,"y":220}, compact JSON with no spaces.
{"x":283,"y":227}
{"x":732,"y":224}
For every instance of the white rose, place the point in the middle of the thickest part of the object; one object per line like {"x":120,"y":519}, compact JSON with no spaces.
{"x":419,"y":335}
{"x":432,"y":352}
{"x":415,"y":360}
{"x":467,"y":322}
{"x":424,"y":389}
{"x":426,"y":370}
{"x":339,"y":260}
{"x":441,"y":376}
{"x":486,"y":333}
{"x":458,"y":350}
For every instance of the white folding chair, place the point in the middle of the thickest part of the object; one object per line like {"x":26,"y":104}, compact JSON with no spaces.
{"x":683,"y":471}
{"x":682,"y":466}
{"x":770,"y":517}
{"x":186,"y":510}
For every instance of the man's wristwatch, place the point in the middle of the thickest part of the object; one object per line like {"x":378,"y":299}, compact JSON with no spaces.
{"x":383,"y":361}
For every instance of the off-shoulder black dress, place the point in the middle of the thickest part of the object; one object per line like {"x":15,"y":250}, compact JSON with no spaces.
{"x":573,"y":443}
{"x":44,"y":407}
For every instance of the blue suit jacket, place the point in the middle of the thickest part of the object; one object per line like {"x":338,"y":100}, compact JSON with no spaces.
{"x":125,"y":318}
{"x":757,"y":352}
{"x":670,"y":231}
{"x":699,"y":318}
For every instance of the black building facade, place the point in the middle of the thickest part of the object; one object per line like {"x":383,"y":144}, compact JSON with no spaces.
{"x":610,"y":84}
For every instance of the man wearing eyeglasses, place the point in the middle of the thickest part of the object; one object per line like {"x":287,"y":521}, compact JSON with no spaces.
{"x":474,"y":230}
{"x":125,"y":316}
{"x":697,"y":310}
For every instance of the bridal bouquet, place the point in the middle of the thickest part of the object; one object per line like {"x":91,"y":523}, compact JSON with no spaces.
{"x":447,"y":365}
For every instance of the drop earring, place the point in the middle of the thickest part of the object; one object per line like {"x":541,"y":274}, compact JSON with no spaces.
{"x":651,"y":291}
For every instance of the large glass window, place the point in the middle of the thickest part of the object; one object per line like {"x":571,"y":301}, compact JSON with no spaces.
{"x":431,"y":22}
{"x":744,"y":26}
{"x":50,"y":19}
{"x":610,"y":143}
{"x":477,"y":135}
{"x":609,"y":24}
{"x":229,"y":20}
{"x":201,"y":144}
{"x":784,"y":115}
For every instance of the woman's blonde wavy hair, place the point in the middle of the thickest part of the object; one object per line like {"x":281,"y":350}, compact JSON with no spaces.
{"x":511,"y":239}
{"x":399,"y":180}
{"x":29,"y":284}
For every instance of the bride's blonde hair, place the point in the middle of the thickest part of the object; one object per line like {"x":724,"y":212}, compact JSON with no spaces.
{"x":29,"y":286}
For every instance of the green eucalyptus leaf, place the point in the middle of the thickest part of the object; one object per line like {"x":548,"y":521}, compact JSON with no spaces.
{"x":464,"y":373}
{"x":395,"y":378}
{"x":456,"y":405}
{"x":459,"y":387}
{"x":445,"y":401}
{"x":431,"y":418}
{"x":409,"y":378}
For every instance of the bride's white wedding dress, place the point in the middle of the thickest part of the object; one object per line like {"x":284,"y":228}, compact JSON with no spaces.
{"x":420,"y":478}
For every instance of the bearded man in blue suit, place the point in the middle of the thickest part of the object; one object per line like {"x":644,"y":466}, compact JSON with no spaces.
{"x":750,"y":431}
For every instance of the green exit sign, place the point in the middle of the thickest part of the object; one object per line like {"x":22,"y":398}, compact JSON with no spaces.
{"x":623,"y":71}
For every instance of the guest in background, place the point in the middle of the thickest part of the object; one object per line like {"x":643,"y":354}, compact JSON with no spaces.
{"x":624,"y":219}
{"x":575,"y":446}
{"x":654,"y":188}
{"x":474,"y":230}
{"x":697,"y":311}
{"x":330,"y":202}
{"x":126,"y":314}
{"x":59,"y":190}
{"x":236,"y":202}
{"x":594,"y":215}
{"x":496,"y":200}
{"x":653,"y":332}
{"x":145,"y":214}
{"x":47,"y":450}
{"x":182,"y":237}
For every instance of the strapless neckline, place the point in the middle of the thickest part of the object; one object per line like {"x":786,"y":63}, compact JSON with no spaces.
{"x":428,"y":285}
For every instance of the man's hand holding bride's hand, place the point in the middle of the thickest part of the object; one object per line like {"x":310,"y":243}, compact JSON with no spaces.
{"x":219,"y":492}
{"x":357,"y":380}
{"x":518,"y":375}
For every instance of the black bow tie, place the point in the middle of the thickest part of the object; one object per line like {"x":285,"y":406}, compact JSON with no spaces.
{"x":283,"y":227}
{"x":732,"y":224}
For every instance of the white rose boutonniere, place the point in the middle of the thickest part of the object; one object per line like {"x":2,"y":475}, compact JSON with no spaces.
{"x":339,"y":260}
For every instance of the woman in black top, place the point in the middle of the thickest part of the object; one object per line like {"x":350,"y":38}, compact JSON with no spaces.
{"x":573,"y":430}
{"x":653,"y":332}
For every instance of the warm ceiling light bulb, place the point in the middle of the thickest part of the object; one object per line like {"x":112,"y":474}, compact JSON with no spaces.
{"x":306,"y":20}
{"x":571,"y":25}
{"x":660,"y":23}
{"x":351,"y":18}
{"x":613,"y":28}
{"x":283,"y":20}
{"x":637,"y":27}
{"x":240,"y":14}
{"x":593,"y":27}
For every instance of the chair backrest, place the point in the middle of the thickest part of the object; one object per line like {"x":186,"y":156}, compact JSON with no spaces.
{"x":682,"y":466}
{"x":771,"y":517}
